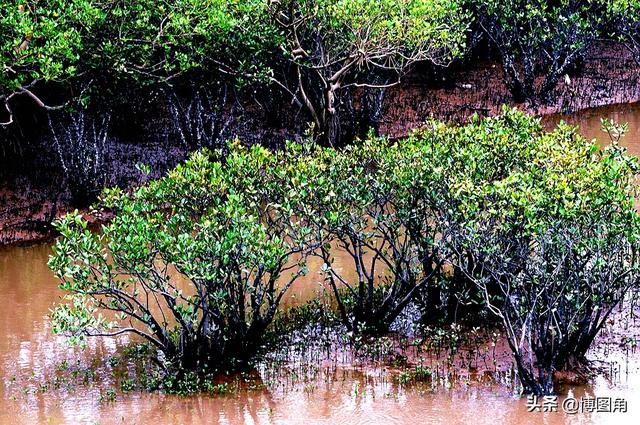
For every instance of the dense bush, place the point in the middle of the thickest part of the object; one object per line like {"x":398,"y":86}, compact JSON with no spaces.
{"x":42,"y":41}
{"x":335,"y":46}
{"x":365,"y":201}
{"x":538,"y":41}
{"x":87,"y":44}
{"x":543,"y":224}
{"x":548,"y":233}
{"x":313,"y":50}
{"x":195,"y":263}
{"x":624,"y":22}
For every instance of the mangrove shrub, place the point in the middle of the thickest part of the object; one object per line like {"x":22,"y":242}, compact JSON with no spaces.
{"x":551,"y":242}
{"x":196,"y":263}
{"x":366,"y":201}
{"x":538,"y":41}
{"x":623,"y":20}
{"x":542,"y":224}
{"x":336,"y":46}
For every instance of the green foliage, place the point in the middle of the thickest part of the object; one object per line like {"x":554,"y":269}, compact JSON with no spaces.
{"x":53,"y":40}
{"x":542,"y":223}
{"x":623,"y":22}
{"x":337,"y":45}
{"x":317,"y":51}
{"x":332,"y":43}
{"x":538,"y":39}
{"x":191,"y":262}
{"x":367,"y":201}
{"x":150,"y":39}
{"x":377,"y":30}
{"x":550,"y":240}
{"x":43,"y":40}
{"x":86,"y":42}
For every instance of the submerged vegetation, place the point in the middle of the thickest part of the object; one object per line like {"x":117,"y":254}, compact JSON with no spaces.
{"x":551,"y":243}
{"x":413,"y":243}
{"x":541,"y":224}
{"x":191,"y":262}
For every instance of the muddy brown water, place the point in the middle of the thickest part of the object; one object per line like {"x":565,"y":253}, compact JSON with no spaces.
{"x":591,"y":127}
{"x":44,"y":381}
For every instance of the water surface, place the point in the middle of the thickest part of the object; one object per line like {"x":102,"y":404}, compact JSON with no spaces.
{"x":35,"y":367}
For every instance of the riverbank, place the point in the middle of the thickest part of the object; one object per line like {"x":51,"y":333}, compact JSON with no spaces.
{"x":608,"y":76}
{"x":33,"y":189}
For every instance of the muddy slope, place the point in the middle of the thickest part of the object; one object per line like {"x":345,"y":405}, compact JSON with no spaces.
{"x":34,"y":190}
